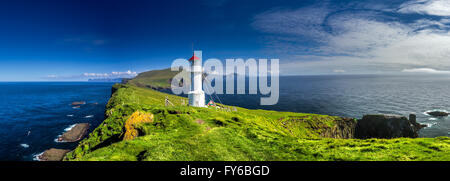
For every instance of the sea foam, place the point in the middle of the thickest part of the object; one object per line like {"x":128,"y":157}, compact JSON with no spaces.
{"x":36,"y":156}
{"x":429,"y":125}
{"x":70,"y":127}
{"x":56,"y":139}
{"x":65,"y":130}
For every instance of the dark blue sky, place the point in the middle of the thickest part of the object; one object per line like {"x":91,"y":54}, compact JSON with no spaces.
{"x":68,"y":38}
{"x":62,"y":40}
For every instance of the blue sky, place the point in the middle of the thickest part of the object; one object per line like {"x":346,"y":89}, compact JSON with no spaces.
{"x":76,"y":40}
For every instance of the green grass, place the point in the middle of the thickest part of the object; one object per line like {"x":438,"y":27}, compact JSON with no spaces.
{"x":156,"y":79}
{"x":177,"y":134}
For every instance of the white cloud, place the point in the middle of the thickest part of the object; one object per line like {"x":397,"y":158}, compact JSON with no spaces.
{"x":429,"y":7}
{"x":95,"y":75}
{"x":362,"y":40}
{"x":126,"y":74}
{"x":360,"y":36}
{"x":304,"y":22}
{"x":426,"y":70}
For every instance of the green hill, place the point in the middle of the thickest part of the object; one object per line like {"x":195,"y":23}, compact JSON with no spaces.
{"x":140,"y":126}
{"x":155,"y":79}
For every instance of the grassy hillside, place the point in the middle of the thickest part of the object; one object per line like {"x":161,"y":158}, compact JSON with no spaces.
{"x":180,"y":132}
{"x":156,"y":79}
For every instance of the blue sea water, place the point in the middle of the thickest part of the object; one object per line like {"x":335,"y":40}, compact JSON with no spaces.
{"x":33,"y":114}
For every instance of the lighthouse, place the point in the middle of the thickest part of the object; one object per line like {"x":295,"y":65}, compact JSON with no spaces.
{"x":196,"y":95}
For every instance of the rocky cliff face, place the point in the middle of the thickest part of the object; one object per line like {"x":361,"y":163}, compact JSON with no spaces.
{"x":374,"y":126}
{"x":387,"y":126}
{"x":344,"y":129}
{"x":114,"y":88}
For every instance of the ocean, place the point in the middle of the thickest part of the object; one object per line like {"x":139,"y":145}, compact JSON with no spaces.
{"x":33,"y":114}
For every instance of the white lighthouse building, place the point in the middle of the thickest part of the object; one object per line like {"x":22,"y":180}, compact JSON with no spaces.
{"x":196,"y":95}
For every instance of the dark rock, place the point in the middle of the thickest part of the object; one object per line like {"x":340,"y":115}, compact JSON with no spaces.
{"x":412,"y":117}
{"x":53,"y":154}
{"x":438,"y":113}
{"x":78,"y":103}
{"x":412,"y":120}
{"x":387,"y":126}
{"x":75,"y":134}
{"x":114,"y":88}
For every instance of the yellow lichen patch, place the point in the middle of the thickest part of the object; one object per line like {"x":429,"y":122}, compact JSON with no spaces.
{"x":135,"y":119}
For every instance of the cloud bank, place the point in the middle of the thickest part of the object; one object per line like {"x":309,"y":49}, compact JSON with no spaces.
{"x":430,"y":7}
{"x":425,"y":70}
{"x":112,"y":75}
{"x":375,"y":38}
{"x":126,"y":74}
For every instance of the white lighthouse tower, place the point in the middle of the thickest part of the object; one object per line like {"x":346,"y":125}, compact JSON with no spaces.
{"x":196,"y":95}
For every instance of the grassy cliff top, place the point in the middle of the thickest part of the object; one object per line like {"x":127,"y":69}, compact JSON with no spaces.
{"x":181,"y":132}
{"x":157,"y":79}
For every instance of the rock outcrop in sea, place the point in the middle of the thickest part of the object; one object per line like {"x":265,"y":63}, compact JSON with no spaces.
{"x":387,"y":126}
{"x":373,"y":126}
{"x":53,"y":154}
{"x":75,"y":134}
{"x":77,"y":103}
{"x":438,"y":113}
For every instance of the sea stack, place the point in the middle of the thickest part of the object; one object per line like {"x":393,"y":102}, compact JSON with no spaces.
{"x":75,"y":134}
{"x":387,"y":126}
{"x":53,"y":154}
{"x":196,"y":95}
